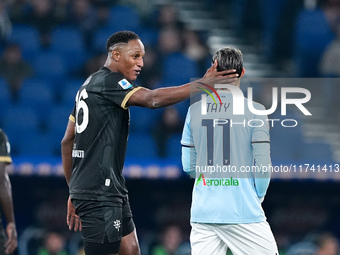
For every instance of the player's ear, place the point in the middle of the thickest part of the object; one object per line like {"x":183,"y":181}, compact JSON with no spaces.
{"x":115,"y":55}
{"x":243,"y":71}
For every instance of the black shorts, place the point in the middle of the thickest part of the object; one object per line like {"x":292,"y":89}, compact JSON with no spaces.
{"x":107,"y":247}
{"x":104,"y":224}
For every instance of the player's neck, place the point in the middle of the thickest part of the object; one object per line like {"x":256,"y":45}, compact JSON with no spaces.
{"x":110,"y":65}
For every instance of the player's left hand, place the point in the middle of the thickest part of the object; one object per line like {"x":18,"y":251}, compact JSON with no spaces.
{"x":12,"y":238}
{"x":72,"y":219}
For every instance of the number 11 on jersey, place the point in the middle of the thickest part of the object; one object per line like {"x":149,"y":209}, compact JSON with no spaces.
{"x":211,"y":124}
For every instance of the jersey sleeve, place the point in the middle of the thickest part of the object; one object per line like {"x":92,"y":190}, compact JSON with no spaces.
{"x":188,"y":149}
{"x":118,"y":89}
{"x":5,"y":148}
{"x":260,"y":132}
{"x":186,"y":134}
{"x":261,"y":152}
{"x":189,"y":156}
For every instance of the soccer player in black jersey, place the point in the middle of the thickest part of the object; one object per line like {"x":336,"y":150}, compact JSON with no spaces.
{"x":6,"y":203}
{"x":95,"y":140}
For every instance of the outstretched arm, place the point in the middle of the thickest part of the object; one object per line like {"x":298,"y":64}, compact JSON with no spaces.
{"x":66,"y":150}
{"x":171,"y":95}
{"x":72,"y":219}
{"x":7,"y":207}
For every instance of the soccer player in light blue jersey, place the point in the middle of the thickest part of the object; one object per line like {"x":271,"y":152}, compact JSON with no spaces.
{"x":229,"y":155}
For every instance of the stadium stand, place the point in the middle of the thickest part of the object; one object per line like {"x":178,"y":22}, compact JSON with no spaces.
{"x":311,"y":41}
{"x":49,"y":65}
{"x":27,"y":37}
{"x":5,"y":98}
{"x":59,"y":70}
{"x":36,"y":123}
{"x":67,"y":42}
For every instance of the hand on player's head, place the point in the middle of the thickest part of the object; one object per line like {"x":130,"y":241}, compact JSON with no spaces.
{"x":212,"y":72}
{"x":212,"y":76}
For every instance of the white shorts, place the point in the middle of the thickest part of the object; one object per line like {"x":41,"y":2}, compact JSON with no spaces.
{"x":241,"y":239}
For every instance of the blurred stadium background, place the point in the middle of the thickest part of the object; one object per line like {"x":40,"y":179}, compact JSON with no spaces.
{"x":48,"y":47}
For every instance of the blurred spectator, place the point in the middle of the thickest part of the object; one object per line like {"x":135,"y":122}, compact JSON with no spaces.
{"x":169,"y":41}
{"x":18,"y":9}
{"x":14,"y":69}
{"x":103,"y":2}
{"x":170,"y":124}
{"x":5,"y":22}
{"x":327,"y":245}
{"x":302,"y":248}
{"x":94,"y":63}
{"x":330,"y":61}
{"x":171,"y":243}
{"x":195,"y":49}
{"x":283,"y":40}
{"x":321,"y":244}
{"x":144,"y":7}
{"x":331,"y":9}
{"x":61,"y":10}
{"x":103,"y":13}
{"x":52,"y":213}
{"x":330,"y":67}
{"x":250,"y":24}
{"x":151,"y":72}
{"x":167,"y":17}
{"x":54,"y":244}
{"x":83,"y":16}
{"x":311,"y":41}
{"x":42,"y":17}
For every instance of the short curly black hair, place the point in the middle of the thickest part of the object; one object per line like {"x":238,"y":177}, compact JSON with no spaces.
{"x":121,"y":37}
{"x":229,"y":58}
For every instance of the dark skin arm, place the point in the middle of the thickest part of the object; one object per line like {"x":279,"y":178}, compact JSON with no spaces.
{"x":171,"y":95}
{"x":72,"y":218}
{"x":7,"y":207}
{"x":66,"y":150}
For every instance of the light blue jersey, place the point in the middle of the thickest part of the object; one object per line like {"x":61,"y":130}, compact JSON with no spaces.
{"x":221,"y":148}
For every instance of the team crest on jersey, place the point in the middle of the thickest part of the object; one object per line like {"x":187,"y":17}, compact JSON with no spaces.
{"x":117,"y":224}
{"x":124,"y":84}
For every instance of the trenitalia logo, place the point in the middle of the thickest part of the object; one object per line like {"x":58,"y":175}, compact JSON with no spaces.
{"x":217,"y":182}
